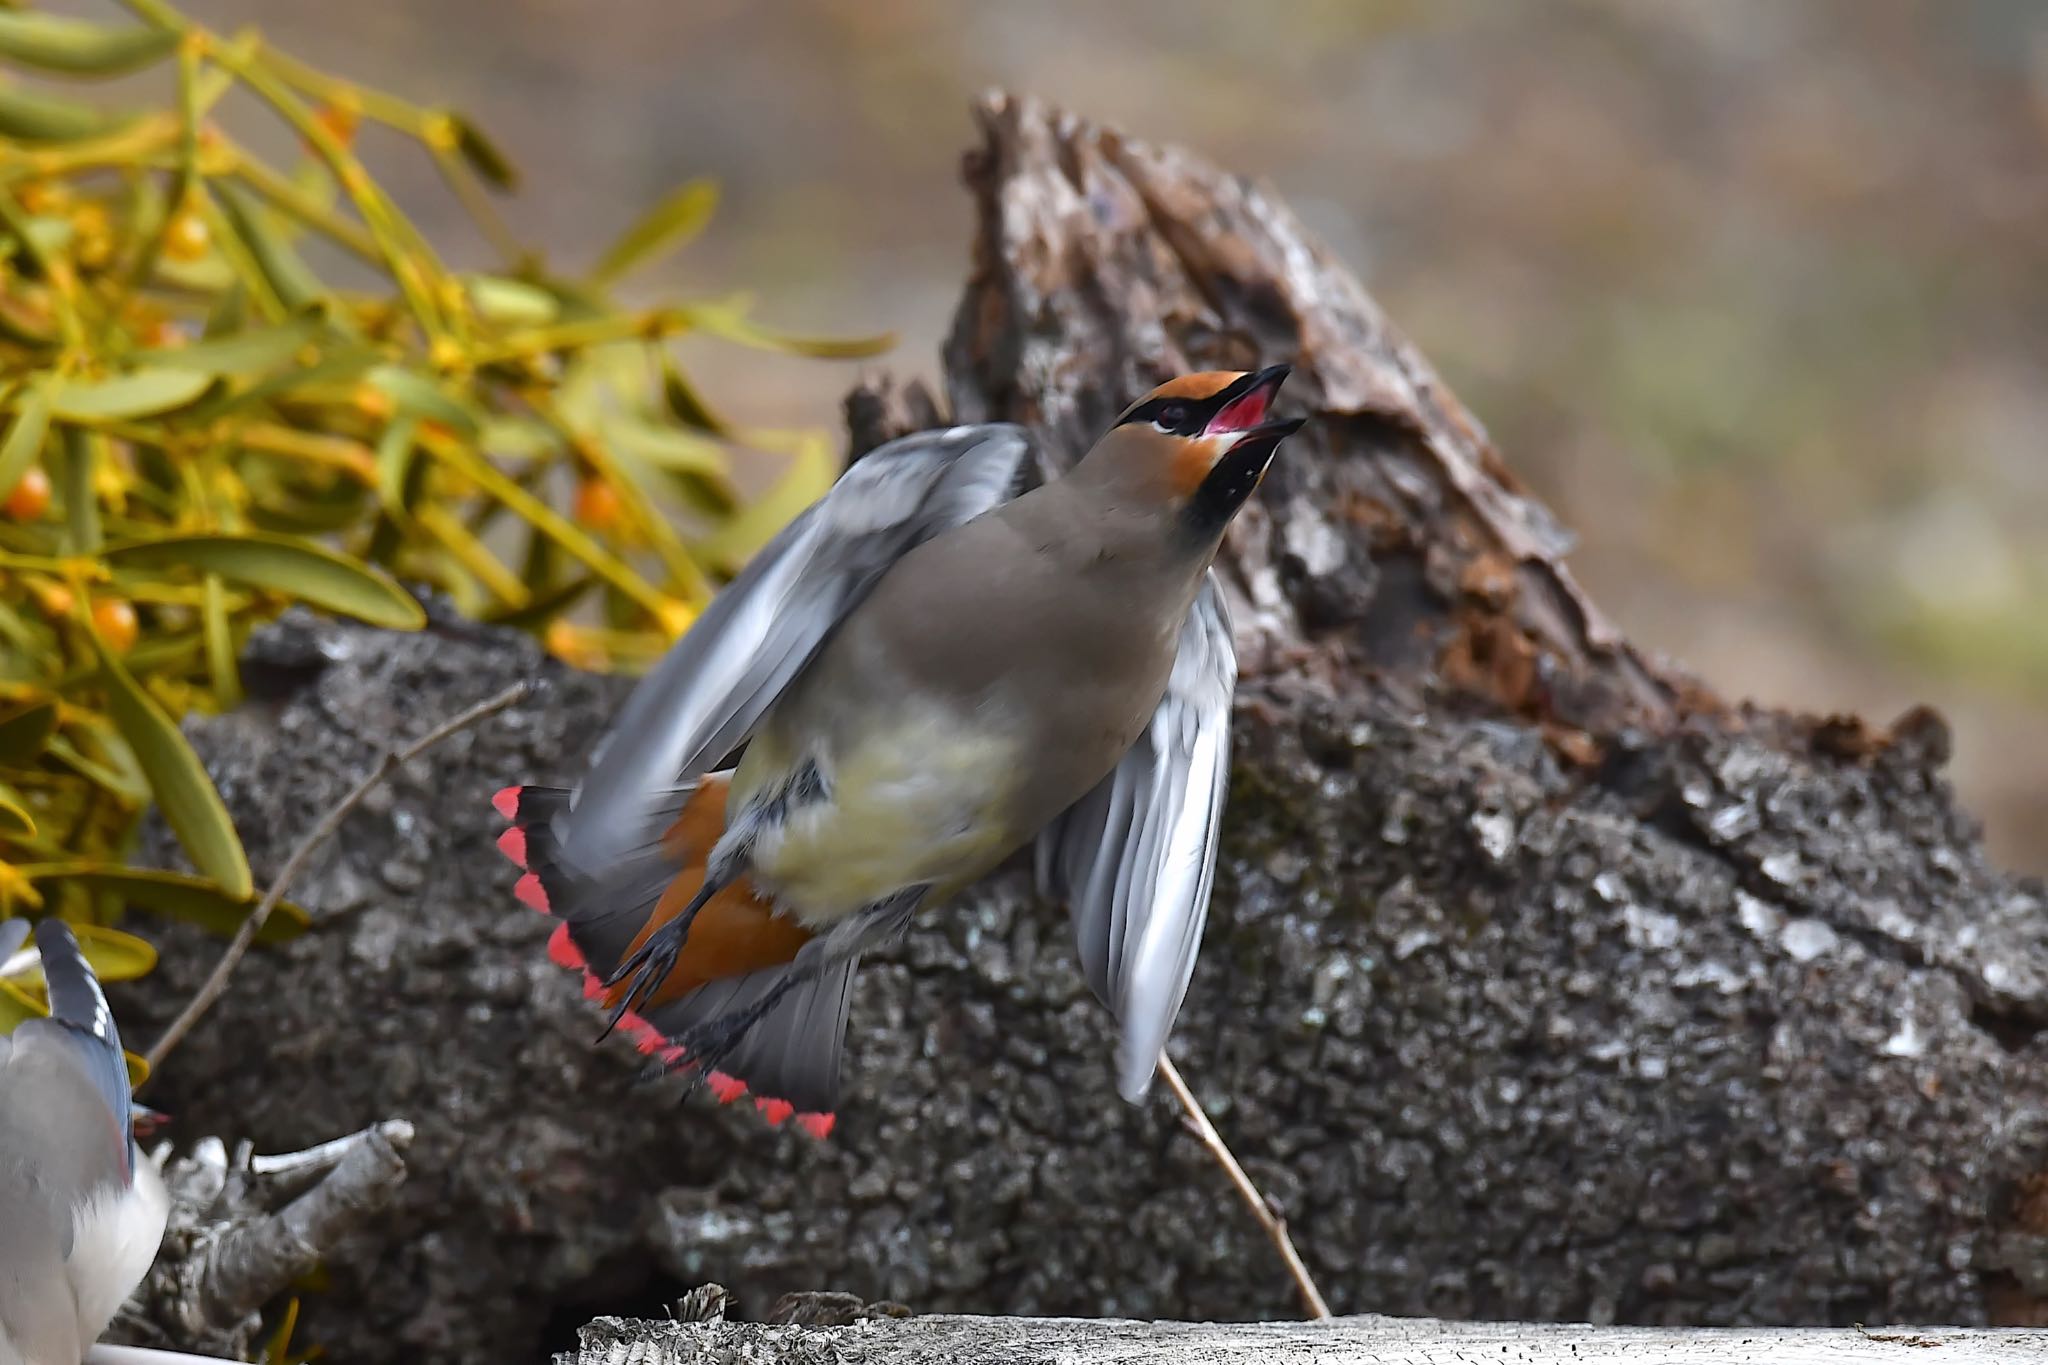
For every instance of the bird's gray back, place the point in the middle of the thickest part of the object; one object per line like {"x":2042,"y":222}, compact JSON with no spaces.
{"x":1034,"y":622}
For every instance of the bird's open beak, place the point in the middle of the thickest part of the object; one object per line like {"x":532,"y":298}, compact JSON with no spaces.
{"x":1264,"y":439}
{"x":1248,"y":401}
{"x":1248,"y":436}
{"x":1242,"y":439}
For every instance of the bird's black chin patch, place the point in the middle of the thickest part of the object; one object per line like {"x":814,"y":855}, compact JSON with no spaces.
{"x":1234,"y":477}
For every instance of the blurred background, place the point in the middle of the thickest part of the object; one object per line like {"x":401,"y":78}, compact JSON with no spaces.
{"x":1755,"y":294}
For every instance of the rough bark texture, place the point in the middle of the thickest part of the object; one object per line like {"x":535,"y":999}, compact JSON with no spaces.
{"x":1540,"y":983}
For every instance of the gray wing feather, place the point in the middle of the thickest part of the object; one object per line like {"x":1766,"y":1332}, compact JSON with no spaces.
{"x":1136,"y":857}
{"x":707,"y":695}
{"x":13,"y":933}
{"x":82,"y":1023}
{"x":64,"y":1098}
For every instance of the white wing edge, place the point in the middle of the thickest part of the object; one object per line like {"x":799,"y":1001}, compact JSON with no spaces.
{"x":1136,"y":857}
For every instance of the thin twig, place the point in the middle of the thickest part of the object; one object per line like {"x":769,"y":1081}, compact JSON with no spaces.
{"x":1272,"y":1222}
{"x":216,"y":984}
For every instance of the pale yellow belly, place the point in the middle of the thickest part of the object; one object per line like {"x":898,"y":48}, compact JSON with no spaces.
{"x":919,"y":803}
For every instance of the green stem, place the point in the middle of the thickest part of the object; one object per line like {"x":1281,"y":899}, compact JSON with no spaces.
{"x":415,"y":275}
{"x":186,"y":180}
{"x":464,"y":183}
{"x":289,"y":198}
{"x":570,"y":336}
{"x":389,"y":110}
{"x":59,"y":565}
{"x":549,"y":523}
{"x":231,"y":246}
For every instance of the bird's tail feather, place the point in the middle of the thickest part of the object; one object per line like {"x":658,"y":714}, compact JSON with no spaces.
{"x":738,"y":949}
{"x":790,"y":1058}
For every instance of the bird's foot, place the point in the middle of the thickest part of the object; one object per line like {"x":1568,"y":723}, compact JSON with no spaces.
{"x":699,"y":1052}
{"x":647,"y":968}
{"x":703,"y":1049}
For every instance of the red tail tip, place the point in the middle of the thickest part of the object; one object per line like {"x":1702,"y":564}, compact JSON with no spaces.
{"x":506,"y":802}
{"x":512,"y":843}
{"x":818,"y":1126}
{"x":775,"y":1111}
{"x":562,"y":950}
{"x":530,"y":892}
{"x":645,"y":1036}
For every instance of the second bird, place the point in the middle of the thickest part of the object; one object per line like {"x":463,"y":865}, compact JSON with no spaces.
{"x":924,"y":672}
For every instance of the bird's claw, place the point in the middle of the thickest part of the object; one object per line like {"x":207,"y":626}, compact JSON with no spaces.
{"x":699,"y":1052}
{"x":653,"y":961}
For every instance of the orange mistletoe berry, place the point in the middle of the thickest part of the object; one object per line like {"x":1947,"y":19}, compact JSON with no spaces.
{"x":28,"y":500}
{"x":598,"y":505}
{"x":116,"y":623}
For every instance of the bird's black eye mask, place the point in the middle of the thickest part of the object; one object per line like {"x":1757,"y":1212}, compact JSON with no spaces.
{"x":1244,"y":401}
{"x":1180,"y":416}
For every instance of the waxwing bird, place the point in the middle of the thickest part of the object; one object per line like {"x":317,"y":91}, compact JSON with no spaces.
{"x":928,"y":669}
{"x":81,"y":1210}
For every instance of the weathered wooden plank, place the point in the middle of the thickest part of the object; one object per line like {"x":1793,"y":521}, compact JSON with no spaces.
{"x":942,"y":1340}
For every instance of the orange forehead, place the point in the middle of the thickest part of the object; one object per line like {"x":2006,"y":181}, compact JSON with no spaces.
{"x":1207,"y":384}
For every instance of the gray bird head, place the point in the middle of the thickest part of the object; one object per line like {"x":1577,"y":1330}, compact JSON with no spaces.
{"x":1197,"y":446}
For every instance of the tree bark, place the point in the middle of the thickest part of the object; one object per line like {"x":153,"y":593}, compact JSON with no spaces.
{"x":1541,"y":982}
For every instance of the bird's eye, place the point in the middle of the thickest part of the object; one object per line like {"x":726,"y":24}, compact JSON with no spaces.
{"x":1173,"y":416}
